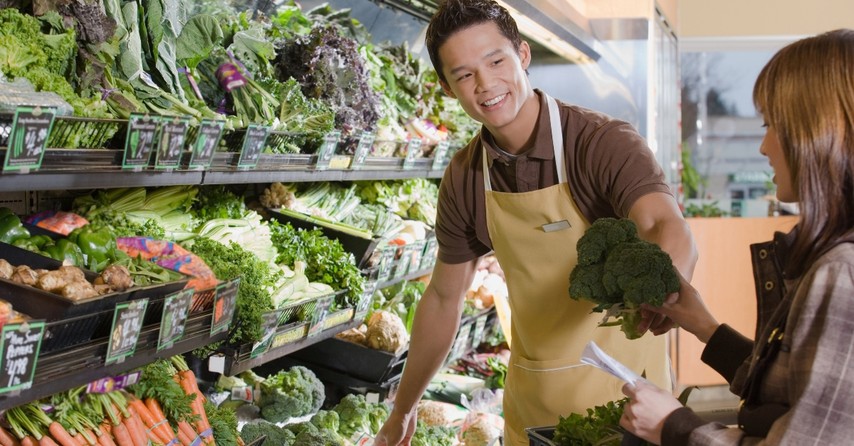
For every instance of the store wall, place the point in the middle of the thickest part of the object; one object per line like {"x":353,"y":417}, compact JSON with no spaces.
{"x":728,"y":18}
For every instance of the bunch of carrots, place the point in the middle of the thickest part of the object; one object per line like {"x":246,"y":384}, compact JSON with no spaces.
{"x":164,"y":408}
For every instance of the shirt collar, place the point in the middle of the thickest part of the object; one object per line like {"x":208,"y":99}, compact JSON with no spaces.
{"x":542,"y":146}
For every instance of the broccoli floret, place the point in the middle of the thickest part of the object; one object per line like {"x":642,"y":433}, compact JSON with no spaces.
{"x":605,"y":233}
{"x":433,"y":436}
{"x":318,"y":437}
{"x":357,"y":415}
{"x":620,"y":272}
{"x":292,"y":393}
{"x":275,"y":434}
{"x":326,"y":419}
{"x":303,"y":426}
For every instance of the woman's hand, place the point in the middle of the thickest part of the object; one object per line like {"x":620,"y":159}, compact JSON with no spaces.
{"x":687,"y":310}
{"x":397,"y":429}
{"x":646,"y":410}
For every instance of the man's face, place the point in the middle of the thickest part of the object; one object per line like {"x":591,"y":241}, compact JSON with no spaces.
{"x":486,"y":74}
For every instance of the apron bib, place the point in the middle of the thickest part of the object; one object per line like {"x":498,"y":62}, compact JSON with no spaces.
{"x":534,"y":236}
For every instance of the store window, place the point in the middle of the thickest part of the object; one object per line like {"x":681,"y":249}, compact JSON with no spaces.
{"x":721,"y":130}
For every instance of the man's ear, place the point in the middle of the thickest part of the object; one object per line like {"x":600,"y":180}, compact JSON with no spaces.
{"x":524,"y":54}
{"x":447,"y":89}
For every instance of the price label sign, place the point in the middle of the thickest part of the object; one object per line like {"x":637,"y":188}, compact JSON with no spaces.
{"x":140,"y":140}
{"x":207,"y":140}
{"x":20,"y":345}
{"x":176,"y":307}
{"x":224,"y":303}
{"x":386,"y":260}
{"x":415,"y":256}
{"x":271,"y":321}
{"x":127,"y":323}
{"x":461,"y":342}
{"x":413,"y":150}
{"x":31,"y":127}
{"x":319,"y":315}
{"x":365,"y":301}
{"x":477,"y":334}
{"x":327,"y":150}
{"x":173,"y":135}
{"x":366,"y":142}
{"x":428,"y":259}
{"x":440,"y":155}
{"x":403,"y":262}
{"x":253,"y":145}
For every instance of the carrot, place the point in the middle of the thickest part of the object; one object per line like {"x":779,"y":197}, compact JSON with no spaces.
{"x":78,"y":438}
{"x":135,"y":429}
{"x":150,"y":421}
{"x":29,"y":440}
{"x":188,"y":382}
{"x":104,"y":437}
{"x":47,"y":441}
{"x":7,"y":439}
{"x":61,"y":435}
{"x":154,"y":407}
{"x":182,"y":438}
{"x":121,"y":435}
{"x":188,"y":430}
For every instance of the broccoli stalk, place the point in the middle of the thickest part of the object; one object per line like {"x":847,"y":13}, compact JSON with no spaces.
{"x":618,"y":272}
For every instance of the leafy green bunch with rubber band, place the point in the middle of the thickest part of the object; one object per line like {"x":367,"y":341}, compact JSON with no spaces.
{"x":618,"y":272}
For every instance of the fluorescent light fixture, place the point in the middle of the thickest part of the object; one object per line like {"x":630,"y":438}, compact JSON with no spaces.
{"x":535,"y":30}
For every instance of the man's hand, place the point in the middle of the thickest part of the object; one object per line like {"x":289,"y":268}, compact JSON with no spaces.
{"x":398,"y":429}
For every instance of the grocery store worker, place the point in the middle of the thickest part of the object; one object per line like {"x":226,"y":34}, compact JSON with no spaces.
{"x":796,"y":380}
{"x":528,"y":187}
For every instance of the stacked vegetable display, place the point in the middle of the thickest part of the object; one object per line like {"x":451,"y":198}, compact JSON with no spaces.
{"x":300,"y":72}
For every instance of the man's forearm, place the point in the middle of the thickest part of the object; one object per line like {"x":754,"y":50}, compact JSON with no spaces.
{"x":674,"y":237}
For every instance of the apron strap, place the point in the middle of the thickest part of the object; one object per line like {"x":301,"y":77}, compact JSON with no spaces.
{"x":557,"y":146}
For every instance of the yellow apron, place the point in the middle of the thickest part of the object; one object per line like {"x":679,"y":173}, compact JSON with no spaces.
{"x":549,"y":330}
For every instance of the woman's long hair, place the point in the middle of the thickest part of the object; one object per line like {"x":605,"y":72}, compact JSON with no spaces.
{"x":806,"y":94}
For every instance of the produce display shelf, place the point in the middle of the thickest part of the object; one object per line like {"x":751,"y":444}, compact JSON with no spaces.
{"x":408,"y":276}
{"x":240,"y":359}
{"x":63,"y":370}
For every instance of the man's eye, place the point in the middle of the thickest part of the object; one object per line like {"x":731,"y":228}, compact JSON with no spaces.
{"x":498,"y":62}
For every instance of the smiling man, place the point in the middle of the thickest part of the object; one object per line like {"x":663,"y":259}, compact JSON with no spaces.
{"x":527,"y":187}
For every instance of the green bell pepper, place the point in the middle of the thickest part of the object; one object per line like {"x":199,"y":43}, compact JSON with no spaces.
{"x":41,"y":240}
{"x":28,"y":244}
{"x":11,"y":229}
{"x":66,"y":252}
{"x":98,"y":246}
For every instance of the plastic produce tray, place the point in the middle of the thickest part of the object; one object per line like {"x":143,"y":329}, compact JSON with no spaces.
{"x":69,"y":321}
{"x":353,"y":359}
{"x":72,"y":132}
{"x":541,"y":436}
{"x":361,"y":248}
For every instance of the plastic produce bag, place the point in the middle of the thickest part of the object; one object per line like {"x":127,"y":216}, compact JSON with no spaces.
{"x":172,"y":256}
{"x":483,"y":426}
{"x":57,"y":221}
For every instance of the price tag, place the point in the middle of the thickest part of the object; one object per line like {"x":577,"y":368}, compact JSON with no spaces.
{"x":461,"y":342}
{"x":366,"y":142}
{"x":403,"y":262}
{"x":317,"y":318}
{"x":111,"y":383}
{"x":365,"y":301}
{"x":253,"y":145}
{"x":140,"y":140}
{"x":176,"y":307}
{"x":224,"y":302}
{"x":173,"y":134}
{"x":327,"y":150}
{"x":271,"y":321}
{"x":20,"y":349}
{"x":413,"y":149}
{"x":477,"y":334}
{"x":428,"y":259}
{"x":440,"y":154}
{"x":386,"y":260}
{"x":31,"y":127}
{"x":415,"y":256}
{"x":210,"y":132}
{"x":127,"y":322}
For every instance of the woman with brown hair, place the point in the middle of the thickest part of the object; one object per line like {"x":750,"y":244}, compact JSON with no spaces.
{"x":796,"y":380}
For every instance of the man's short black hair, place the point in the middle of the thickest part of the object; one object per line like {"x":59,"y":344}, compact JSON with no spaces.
{"x":457,"y":15}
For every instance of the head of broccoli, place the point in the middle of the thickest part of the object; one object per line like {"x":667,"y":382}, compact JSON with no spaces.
{"x":292,"y":393}
{"x":309,"y":434}
{"x":617,"y":271}
{"x":602,"y":236}
{"x":275,"y":434}
{"x":357,"y":415}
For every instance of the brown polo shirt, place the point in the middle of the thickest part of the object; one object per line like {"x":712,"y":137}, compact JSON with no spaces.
{"x":609,"y":166}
